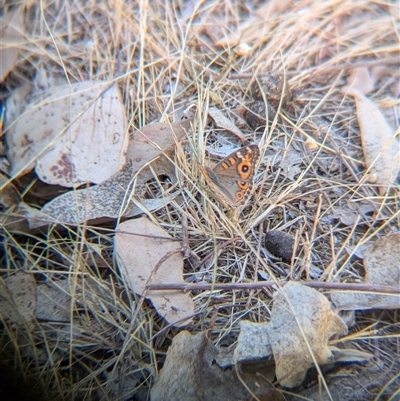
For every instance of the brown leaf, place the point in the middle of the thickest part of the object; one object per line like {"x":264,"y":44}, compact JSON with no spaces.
{"x":222,"y":122}
{"x":155,"y":142}
{"x":141,"y":247}
{"x":152,"y":140}
{"x":312,"y":311}
{"x":382,"y":267}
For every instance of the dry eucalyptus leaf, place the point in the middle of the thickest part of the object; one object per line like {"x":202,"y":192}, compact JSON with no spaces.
{"x":360,"y":80}
{"x":290,"y":164}
{"x":318,"y":323}
{"x":16,"y":220}
{"x":140,"y":246}
{"x":150,"y":205}
{"x":53,"y":304}
{"x":349,"y":213}
{"x":72,"y":210}
{"x":10,"y":33}
{"x":75,"y":135}
{"x":18,"y":298}
{"x":380,"y":147}
{"x":155,"y":142}
{"x":222,"y":122}
{"x":253,"y":342}
{"x":189,"y":374}
{"x":382,"y":267}
{"x":25,"y":215}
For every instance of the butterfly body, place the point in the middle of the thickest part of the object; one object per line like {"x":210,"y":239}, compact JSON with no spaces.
{"x":232,"y":178}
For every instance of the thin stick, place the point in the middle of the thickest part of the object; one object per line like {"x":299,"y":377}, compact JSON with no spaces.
{"x":384,"y":289}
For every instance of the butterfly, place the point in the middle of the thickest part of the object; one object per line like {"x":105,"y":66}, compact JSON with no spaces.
{"x":231,"y":180}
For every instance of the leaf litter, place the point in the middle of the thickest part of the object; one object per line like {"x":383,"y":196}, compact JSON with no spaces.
{"x":75,"y":135}
{"x":190,"y":374}
{"x":109,"y":340}
{"x":380,"y":146}
{"x":106,"y":200}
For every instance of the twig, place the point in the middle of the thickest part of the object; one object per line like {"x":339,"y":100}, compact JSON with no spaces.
{"x":384,"y":289}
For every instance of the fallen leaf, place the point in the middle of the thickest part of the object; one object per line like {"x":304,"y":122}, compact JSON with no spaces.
{"x":283,"y":339}
{"x":222,"y":122}
{"x":253,"y":342}
{"x":16,"y":220}
{"x":150,"y":145}
{"x":380,"y":147}
{"x":360,"y":80}
{"x":290,"y":164}
{"x":140,"y":246}
{"x":189,"y":374}
{"x":75,"y":135}
{"x":53,"y":303}
{"x":348,"y":214}
{"x":18,"y":298}
{"x":155,"y":142}
{"x":382,"y":267}
{"x":312,"y":311}
{"x":10,"y":33}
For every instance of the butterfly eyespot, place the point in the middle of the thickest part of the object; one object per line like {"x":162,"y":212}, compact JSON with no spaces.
{"x":245,"y":169}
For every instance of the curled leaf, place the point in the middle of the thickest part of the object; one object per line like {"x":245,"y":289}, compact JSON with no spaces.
{"x":222,"y":122}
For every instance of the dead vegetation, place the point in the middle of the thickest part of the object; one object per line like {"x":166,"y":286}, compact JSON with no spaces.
{"x":78,"y":330}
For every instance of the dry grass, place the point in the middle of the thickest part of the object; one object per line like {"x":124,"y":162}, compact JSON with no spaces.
{"x":164,"y":57}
